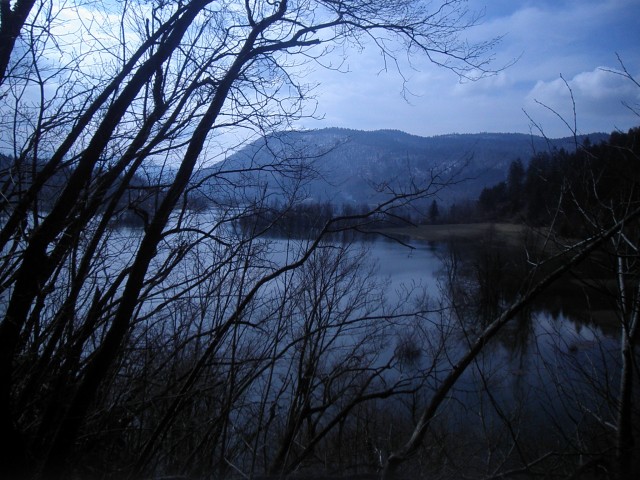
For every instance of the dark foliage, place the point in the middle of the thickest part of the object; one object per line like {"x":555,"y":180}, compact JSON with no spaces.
{"x":310,"y":218}
{"x":603,"y":176}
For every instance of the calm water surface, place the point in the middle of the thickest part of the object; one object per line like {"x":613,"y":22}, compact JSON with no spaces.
{"x":546,"y":371}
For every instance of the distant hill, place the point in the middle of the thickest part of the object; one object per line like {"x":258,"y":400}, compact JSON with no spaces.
{"x":355,"y":166}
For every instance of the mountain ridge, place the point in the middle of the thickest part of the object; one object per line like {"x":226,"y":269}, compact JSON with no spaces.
{"x":352,"y":164}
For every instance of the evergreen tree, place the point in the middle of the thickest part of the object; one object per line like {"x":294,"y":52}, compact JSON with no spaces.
{"x":434,"y":212}
{"x":515,"y":182}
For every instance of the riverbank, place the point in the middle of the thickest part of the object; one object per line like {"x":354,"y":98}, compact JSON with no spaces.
{"x":510,"y":233}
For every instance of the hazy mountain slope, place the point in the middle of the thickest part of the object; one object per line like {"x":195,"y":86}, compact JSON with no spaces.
{"x":351,"y":163}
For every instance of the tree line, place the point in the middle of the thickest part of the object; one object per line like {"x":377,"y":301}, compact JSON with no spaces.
{"x":592,"y":176}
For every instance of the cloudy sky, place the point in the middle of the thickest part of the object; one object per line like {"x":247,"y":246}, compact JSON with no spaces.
{"x":574,"y":40}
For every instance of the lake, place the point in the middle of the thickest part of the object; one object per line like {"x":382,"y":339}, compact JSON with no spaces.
{"x":550,"y":372}
{"x":355,"y":320}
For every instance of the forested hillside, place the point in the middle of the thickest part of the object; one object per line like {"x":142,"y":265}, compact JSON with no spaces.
{"x":359,"y":167}
{"x":558,"y":187}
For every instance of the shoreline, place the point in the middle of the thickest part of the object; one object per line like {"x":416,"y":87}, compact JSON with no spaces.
{"x":507,"y":232}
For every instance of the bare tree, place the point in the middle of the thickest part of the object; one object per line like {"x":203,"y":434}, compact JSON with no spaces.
{"x":622,"y":255}
{"x":580,"y":252}
{"x":139,"y":84}
{"x":603,"y":191}
{"x":12,"y":20}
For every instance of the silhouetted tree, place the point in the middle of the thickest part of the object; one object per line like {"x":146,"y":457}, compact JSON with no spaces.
{"x":95,"y":320}
{"x":515,"y":184}
{"x":494,"y":201}
{"x":434,"y":212}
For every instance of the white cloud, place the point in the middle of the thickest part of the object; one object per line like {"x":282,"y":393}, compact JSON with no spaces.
{"x":594,"y":90}
{"x":552,"y":37}
{"x":600,"y":96}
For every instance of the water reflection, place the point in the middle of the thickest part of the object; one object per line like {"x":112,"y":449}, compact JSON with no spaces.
{"x":549,"y":372}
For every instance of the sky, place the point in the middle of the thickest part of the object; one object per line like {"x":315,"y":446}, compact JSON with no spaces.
{"x":550,"y":49}
{"x":556,"y":43}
